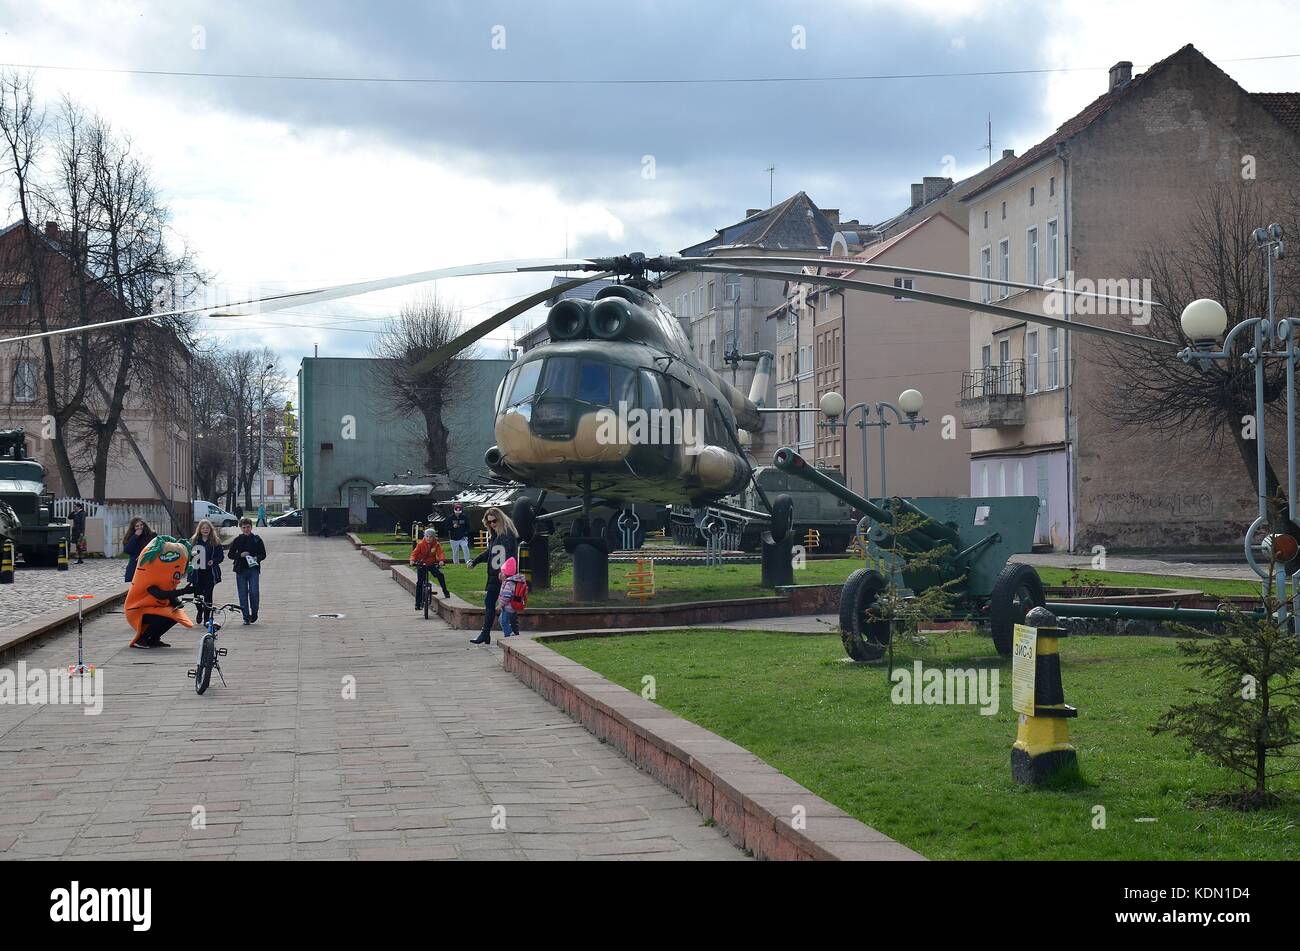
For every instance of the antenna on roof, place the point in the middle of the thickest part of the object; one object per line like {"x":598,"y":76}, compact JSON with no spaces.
{"x":988,"y":145}
{"x":771,"y":183}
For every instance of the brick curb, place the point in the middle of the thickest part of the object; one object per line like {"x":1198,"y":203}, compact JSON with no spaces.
{"x":753,"y":803}
{"x":51,"y":622}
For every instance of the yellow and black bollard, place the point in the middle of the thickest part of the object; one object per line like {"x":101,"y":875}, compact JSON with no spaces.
{"x":63,"y":554}
{"x":397,"y":529}
{"x":1042,"y":748}
{"x":7,"y":562}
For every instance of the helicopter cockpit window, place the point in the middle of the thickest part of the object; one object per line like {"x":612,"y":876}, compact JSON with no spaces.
{"x":560,"y":377}
{"x":504,"y":387}
{"x":593,"y":382}
{"x":525,"y":383}
{"x":622,"y":386}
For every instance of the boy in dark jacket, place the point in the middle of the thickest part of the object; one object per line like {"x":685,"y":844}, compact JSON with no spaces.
{"x":458,"y":532}
{"x":248,"y":552}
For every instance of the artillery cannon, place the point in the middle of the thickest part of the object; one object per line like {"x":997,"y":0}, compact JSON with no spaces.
{"x":974,"y":538}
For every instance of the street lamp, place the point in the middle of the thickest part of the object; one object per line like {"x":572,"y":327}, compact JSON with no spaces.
{"x":1204,"y":321}
{"x":906,"y":413}
{"x":261,"y":450}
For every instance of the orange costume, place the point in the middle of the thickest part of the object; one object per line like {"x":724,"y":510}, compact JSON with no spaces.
{"x":151,"y":604}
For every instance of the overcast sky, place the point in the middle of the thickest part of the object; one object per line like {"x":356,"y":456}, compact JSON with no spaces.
{"x":288,"y":183}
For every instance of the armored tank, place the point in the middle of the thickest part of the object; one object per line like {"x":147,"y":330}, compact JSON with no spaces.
{"x":22,"y":489}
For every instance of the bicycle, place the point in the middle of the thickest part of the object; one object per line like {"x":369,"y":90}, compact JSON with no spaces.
{"x":209,"y":651}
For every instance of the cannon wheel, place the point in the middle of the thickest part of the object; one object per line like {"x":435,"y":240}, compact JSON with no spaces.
{"x":782,"y":517}
{"x":1017,"y":590}
{"x":864,"y":639}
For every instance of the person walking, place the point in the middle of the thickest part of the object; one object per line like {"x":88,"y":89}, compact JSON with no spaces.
{"x":503,"y":544}
{"x":428,"y":559}
{"x":206,"y":557}
{"x":79,"y":530}
{"x":248,"y":552}
{"x":138,"y":534}
{"x":513,"y":597}
{"x":458,"y":532}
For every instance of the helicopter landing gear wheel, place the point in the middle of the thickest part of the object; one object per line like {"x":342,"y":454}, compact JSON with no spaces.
{"x":1018,"y":589}
{"x":864,"y":636}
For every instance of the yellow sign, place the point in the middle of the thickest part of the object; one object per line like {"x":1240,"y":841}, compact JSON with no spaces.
{"x":289,"y":466}
{"x":1024,"y":663}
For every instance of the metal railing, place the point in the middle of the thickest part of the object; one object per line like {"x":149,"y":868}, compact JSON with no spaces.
{"x":1001,"y":379}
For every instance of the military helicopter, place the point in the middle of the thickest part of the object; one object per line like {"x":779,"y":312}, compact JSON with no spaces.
{"x":616,"y":409}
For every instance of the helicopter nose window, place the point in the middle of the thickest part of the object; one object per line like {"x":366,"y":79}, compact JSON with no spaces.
{"x":593,"y":382}
{"x":623,"y":386}
{"x":526,"y":382}
{"x":560,"y":377}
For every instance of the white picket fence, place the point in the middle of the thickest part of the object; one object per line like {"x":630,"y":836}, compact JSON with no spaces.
{"x":115,"y":517}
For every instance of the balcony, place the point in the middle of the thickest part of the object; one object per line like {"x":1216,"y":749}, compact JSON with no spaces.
{"x":993,"y":396}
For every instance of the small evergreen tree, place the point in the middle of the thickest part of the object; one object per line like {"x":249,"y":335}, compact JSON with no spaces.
{"x":1245,"y":714}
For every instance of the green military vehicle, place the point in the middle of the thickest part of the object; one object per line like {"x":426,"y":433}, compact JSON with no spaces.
{"x":832,"y":518}
{"x":22,"y":488}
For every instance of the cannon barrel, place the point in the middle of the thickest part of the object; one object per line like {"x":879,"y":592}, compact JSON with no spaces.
{"x":925,"y":536}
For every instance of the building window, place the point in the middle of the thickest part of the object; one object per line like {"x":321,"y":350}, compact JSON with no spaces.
{"x":986,"y":272}
{"x":1004,"y":364}
{"x":710,"y":295}
{"x":1004,"y":264}
{"x":25,"y":381}
{"x":1051,"y":186}
{"x":1053,"y":269}
{"x":986,"y":355}
{"x":1053,"y":357}
{"x":904,"y":284}
{"x":1031,"y":362}
{"x":1032,"y":249}
{"x":713,"y":353}
{"x":1031,"y":196}
{"x":1004,"y":211}
{"x":731,"y":288}
{"x":986,"y":217}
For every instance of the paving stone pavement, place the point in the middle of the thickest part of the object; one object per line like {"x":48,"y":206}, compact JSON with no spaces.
{"x":437,"y":741}
{"x":37,"y":590}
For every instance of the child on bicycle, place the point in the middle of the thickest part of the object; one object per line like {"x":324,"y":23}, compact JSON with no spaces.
{"x":513,"y":598}
{"x":428,"y":559}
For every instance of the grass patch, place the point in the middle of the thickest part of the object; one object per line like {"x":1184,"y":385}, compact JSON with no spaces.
{"x":938,"y":778}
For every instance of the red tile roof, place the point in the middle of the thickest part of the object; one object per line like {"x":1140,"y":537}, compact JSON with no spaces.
{"x":1072,"y":127}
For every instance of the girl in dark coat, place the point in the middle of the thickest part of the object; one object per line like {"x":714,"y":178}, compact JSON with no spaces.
{"x":137,"y":536}
{"x":205,"y":557}
{"x":503,"y":544}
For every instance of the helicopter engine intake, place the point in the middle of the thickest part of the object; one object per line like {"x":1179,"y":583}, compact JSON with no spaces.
{"x":567,"y":320}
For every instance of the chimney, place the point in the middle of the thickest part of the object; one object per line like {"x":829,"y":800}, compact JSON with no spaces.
{"x":932,"y":186}
{"x":1008,"y":153}
{"x":918,"y":194}
{"x":52,"y":230}
{"x":751,"y":212}
{"x":832,"y":214}
{"x":1120,"y":74}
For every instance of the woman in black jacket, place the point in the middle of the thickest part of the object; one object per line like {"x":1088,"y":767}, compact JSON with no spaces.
{"x":137,"y":536}
{"x":503,"y":544}
{"x":205,"y":557}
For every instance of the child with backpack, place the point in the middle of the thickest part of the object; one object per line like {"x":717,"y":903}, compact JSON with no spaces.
{"x":513,"y":598}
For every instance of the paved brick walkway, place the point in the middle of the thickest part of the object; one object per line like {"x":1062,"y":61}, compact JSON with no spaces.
{"x":37,"y":590}
{"x":437,"y":738}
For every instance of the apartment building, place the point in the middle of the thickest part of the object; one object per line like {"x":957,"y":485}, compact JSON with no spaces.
{"x":1077,"y":209}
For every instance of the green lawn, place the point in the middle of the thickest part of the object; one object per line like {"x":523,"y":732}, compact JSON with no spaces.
{"x":678,"y":583}
{"x":938,"y":778}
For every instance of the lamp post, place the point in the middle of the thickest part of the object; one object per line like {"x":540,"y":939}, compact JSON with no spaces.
{"x":1204,"y":321}
{"x":906,"y":413}
{"x":261,"y":449}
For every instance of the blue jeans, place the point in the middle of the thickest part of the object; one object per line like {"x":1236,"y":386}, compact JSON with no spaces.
{"x":509,"y":623}
{"x":249,"y":584}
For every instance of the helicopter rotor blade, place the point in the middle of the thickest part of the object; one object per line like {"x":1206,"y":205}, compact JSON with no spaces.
{"x":959,"y":302}
{"x":853,"y":264}
{"x":272,"y":302}
{"x":485,"y":327}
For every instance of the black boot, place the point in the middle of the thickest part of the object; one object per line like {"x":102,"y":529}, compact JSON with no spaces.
{"x":484,"y":637}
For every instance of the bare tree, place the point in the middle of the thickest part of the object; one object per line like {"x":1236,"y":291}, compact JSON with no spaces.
{"x":1213,"y":255}
{"x":22,"y":129}
{"x":420,"y":328}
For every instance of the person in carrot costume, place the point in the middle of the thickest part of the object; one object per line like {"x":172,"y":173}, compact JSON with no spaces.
{"x":153,"y":603}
